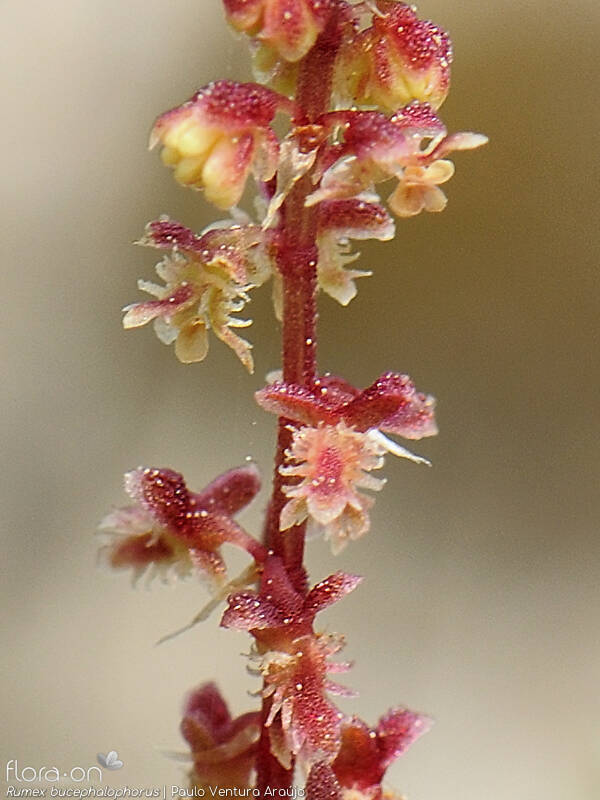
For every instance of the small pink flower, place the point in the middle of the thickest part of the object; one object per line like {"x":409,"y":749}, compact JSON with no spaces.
{"x":419,"y":180}
{"x":332,"y":463}
{"x":171,"y":530}
{"x":207,"y":279}
{"x":397,"y":59}
{"x":340,"y":443}
{"x":290,"y":27}
{"x":222,"y":133}
{"x":223,"y":749}
{"x":296,"y":681}
{"x":292,"y":659}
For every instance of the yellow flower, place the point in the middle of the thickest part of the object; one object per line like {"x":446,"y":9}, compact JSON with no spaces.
{"x":418,"y":189}
{"x":206,"y":282}
{"x":219,"y":136}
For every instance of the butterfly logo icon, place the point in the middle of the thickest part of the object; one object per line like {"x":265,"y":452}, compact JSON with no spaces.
{"x":110,"y":760}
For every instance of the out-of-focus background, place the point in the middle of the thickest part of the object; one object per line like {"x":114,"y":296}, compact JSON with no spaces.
{"x":481,"y":603}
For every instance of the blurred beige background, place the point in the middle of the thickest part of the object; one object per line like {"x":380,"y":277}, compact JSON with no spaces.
{"x":481,"y":604}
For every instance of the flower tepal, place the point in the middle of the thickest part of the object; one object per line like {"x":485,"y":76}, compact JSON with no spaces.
{"x":366,"y":753}
{"x":364,"y":756}
{"x":290,"y":27}
{"x":217,"y":137}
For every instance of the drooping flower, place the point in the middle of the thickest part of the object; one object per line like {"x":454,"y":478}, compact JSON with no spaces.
{"x":364,"y":756}
{"x":419,"y":180}
{"x":292,"y":659}
{"x":419,"y":189}
{"x":207,"y":279}
{"x":409,"y":146}
{"x":217,"y":137}
{"x":399,"y":58}
{"x":337,"y":444}
{"x":338,"y":222}
{"x":366,"y":753}
{"x":278,"y":613}
{"x":296,"y":681}
{"x":171,"y":530}
{"x":223,"y":749}
{"x":289,"y":27}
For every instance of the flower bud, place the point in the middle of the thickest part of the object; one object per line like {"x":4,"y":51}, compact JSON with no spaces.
{"x":223,"y":748}
{"x":290,"y":27}
{"x":399,"y":59}
{"x":222,"y":133}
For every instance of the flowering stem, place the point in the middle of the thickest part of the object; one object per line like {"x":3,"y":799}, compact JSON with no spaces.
{"x":297,"y":264}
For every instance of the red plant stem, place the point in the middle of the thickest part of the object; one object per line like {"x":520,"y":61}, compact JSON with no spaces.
{"x":297,"y":263}
{"x":270,"y":774}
